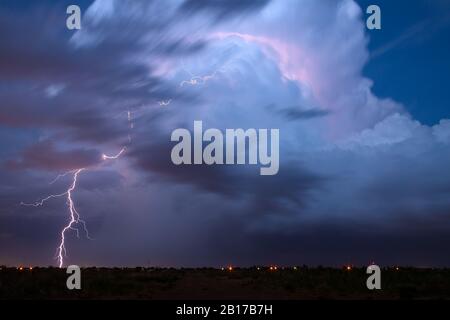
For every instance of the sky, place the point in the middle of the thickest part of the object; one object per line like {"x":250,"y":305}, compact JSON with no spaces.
{"x":363,"y":118}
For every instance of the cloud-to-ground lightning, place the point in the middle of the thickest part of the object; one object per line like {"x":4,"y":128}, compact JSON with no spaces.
{"x":75,"y":219}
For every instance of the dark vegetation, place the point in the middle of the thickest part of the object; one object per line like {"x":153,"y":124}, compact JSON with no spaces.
{"x":249,"y":283}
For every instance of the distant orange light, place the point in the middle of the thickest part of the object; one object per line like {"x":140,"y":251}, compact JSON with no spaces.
{"x":230,"y":268}
{"x":397,"y":268}
{"x":349,"y":268}
{"x":31,"y":268}
{"x":20,"y":268}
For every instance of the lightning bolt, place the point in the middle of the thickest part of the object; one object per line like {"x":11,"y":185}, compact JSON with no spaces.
{"x":130,"y":121}
{"x":164,"y":103}
{"x":59,"y":176}
{"x":106,"y":157}
{"x":75,"y":218}
{"x":198,"y":80}
{"x":75,"y":221}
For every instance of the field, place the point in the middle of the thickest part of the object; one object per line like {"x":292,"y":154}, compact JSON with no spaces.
{"x":297,"y":283}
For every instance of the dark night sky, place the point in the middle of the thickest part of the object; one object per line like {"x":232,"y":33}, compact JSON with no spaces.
{"x":364,"y":135}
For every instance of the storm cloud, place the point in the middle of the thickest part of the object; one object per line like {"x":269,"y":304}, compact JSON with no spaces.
{"x":360,"y":179}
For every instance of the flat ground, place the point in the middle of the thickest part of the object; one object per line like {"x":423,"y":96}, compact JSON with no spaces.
{"x":251,"y":283}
